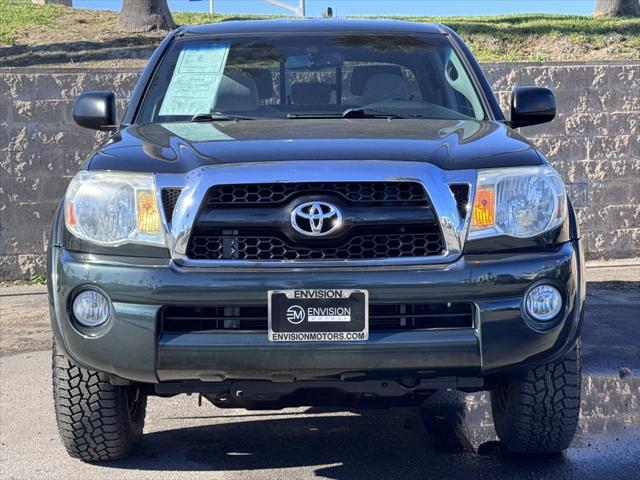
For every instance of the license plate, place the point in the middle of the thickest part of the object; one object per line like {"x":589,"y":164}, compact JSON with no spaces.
{"x":318,"y":315}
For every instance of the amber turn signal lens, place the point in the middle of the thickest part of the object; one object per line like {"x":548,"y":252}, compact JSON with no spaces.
{"x":71,"y":215}
{"x":148,"y":216}
{"x":484,"y":208}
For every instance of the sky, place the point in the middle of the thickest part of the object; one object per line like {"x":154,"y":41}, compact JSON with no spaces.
{"x":373,"y":7}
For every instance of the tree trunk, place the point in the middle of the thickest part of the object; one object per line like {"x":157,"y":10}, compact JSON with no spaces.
{"x":617,"y":8}
{"x":144,"y":15}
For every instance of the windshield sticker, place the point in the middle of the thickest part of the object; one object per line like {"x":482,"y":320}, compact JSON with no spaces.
{"x":196,"y":132}
{"x":195,"y":80}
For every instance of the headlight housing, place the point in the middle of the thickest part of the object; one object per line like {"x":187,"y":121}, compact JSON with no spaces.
{"x":114,"y":208}
{"x":519,"y":202}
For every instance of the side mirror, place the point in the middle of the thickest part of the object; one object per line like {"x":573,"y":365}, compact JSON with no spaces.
{"x":531,"y":106}
{"x":96,"y":110}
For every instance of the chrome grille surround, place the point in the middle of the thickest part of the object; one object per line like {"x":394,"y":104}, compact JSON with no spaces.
{"x":197,"y":182}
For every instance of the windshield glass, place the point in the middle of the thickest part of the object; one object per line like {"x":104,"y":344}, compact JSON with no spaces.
{"x":298,"y":76}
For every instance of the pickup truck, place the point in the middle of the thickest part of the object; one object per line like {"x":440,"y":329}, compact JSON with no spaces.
{"x":318,"y":212}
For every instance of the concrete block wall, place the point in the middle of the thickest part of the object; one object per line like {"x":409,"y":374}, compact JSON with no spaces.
{"x":594,"y":142}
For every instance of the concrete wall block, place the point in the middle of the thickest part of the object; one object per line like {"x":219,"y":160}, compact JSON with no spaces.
{"x":622,"y":216}
{"x":504,"y":99}
{"x":588,"y":171}
{"x":24,"y":228}
{"x":619,"y":244}
{"x":578,"y":194}
{"x":614,"y":193}
{"x":570,"y":77}
{"x":590,"y":219}
{"x":572,"y":102}
{"x":625,"y":78}
{"x":621,"y":100}
{"x":6,"y":164}
{"x":635,"y":146}
{"x":22,"y":266}
{"x":627,"y":169}
{"x":17,"y":86}
{"x":6,"y":107}
{"x":32,"y":189}
{"x":65,"y":139}
{"x":610,"y":148}
{"x":53,"y":162}
{"x":54,"y":112}
{"x":43,"y":112}
{"x":22,"y":111}
{"x":562,"y":148}
{"x":624,"y":123}
{"x":14,"y":138}
{"x":122,"y":84}
{"x":121,"y":106}
{"x":60,"y":86}
{"x":582,"y":124}
{"x":502,"y":78}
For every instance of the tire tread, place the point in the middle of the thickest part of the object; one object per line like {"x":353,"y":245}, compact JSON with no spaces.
{"x":92,"y":414}
{"x":541,"y":414}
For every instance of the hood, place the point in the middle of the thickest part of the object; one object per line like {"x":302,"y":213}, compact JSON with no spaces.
{"x":181,"y":147}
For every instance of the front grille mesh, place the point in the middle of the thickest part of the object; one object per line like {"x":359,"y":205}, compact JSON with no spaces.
{"x":215,"y":237}
{"x":392,"y":243}
{"x":460,"y":192}
{"x":169,"y":201}
{"x":382,"y":317}
{"x":374,"y":193}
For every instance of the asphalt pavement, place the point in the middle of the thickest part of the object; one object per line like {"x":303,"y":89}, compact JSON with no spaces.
{"x":183,"y":440}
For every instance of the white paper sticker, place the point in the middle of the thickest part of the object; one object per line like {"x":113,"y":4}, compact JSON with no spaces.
{"x":197,"y":132}
{"x":195,"y":80}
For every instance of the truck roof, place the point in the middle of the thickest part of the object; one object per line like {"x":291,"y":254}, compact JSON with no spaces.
{"x":313,"y":25}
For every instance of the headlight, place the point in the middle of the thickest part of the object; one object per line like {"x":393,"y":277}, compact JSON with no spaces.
{"x":519,"y":202}
{"x":110,"y":208}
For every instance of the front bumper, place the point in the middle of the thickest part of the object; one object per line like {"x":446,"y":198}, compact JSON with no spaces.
{"x":501,"y":342}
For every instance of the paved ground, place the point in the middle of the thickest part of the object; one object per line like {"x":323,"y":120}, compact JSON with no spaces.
{"x":183,"y":440}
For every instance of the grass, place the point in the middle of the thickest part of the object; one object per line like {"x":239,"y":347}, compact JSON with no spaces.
{"x":492,"y":38}
{"x":20,"y":14}
{"x":533,"y":37}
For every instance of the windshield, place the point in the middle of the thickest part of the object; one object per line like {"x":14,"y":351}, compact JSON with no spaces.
{"x":302,"y":76}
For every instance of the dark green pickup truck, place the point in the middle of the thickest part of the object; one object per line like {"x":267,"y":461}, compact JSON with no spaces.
{"x":314,"y":212}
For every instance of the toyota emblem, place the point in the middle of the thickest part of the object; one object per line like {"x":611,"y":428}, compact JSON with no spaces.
{"x":316,"y":219}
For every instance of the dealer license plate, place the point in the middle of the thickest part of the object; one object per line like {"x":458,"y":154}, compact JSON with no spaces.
{"x":318,"y":315}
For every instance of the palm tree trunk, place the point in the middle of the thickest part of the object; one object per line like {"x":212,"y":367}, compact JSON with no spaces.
{"x":617,"y":8}
{"x":144,"y":15}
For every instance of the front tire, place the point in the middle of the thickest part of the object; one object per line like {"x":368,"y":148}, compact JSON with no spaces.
{"x":97,"y":421}
{"x":538,"y":412}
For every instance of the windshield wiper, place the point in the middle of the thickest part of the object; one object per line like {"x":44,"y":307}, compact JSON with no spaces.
{"x":313,"y":115}
{"x":348,"y":113}
{"x":366,"y":112}
{"x":217,"y":116}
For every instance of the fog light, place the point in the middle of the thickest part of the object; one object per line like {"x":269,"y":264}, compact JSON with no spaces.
{"x":543,"y":303}
{"x":91,"y":308}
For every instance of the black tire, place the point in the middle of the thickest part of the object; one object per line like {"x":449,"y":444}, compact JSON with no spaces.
{"x":538,"y":412}
{"x":97,"y":421}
